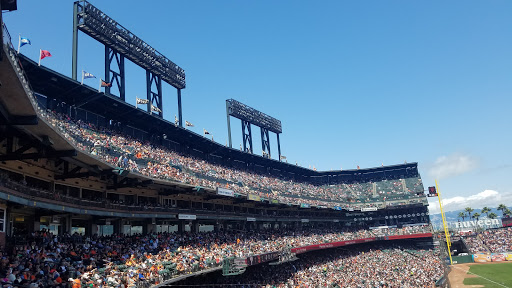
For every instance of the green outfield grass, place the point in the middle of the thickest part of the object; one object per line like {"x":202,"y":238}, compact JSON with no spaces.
{"x":500,"y":273}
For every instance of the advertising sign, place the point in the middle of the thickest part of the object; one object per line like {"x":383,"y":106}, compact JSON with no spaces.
{"x":481,"y":258}
{"x":257,"y":259}
{"x":186,"y":217}
{"x":366,"y":209}
{"x":225,"y":192}
{"x":498,"y":257}
{"x":253,"y":197}
{"x":486,"y":223}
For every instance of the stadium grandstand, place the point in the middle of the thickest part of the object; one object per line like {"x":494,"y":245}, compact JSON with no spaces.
{"x":97,"y":193}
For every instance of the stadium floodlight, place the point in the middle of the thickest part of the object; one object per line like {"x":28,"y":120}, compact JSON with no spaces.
{"x":106,"y":30}
{"x":248,"y":116}
{"x":260,"y":119}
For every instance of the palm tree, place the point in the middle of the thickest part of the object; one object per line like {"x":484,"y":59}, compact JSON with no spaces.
{"x":486,"y":210}
{"x":476,"y":215}
{"x":462,"y":215}
{"x":469,"y":210}
{"x":492,"y":216}
{"x":507,"y":212}
{"x":502,"y":207}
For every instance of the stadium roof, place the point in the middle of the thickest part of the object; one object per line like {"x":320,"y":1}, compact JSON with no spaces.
{"x":52,"y":84}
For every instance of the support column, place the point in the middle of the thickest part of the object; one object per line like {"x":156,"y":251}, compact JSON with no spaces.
{"x":229,"y":125}
{"x":180,"y":118}
{"x":154,"y":98}
{"x":181,"y":227}
{"x":74,"y":59}
{"x":265,"y":141}
{"x":247,"y":136}
{"x":66,"y":228}
{"x":94,"y":229}
{"x":118,"y":77}
{"x":278,"y":147}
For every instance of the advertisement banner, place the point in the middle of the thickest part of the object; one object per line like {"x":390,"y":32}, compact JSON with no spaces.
{"x":337,"y":208}
{"x":481,"y":258}
{"x":508,"y":256}
{"x":186,"y":217}
{"x":368,"y":209}
{"x":274,"y":201}
{"x":497,"y":257}
{"x":251,"y":219}
{"x":253,"y":197}
{"x":303,"y":249}
{"x":257,"y":259}
{"x":225,"y":192}
{"x":421,"y":235}
{"x":304,"y":205}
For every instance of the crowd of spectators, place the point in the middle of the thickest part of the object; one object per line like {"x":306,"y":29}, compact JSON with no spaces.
{"x":475,"y":244}
{"x":47,"y":260}
{"x":363,"y":266}
{"x":498,"y":240}
{"x":159,"y":162}
{"x":489,"y":241}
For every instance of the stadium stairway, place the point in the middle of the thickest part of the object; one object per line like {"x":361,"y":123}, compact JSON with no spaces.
{"x":483,"y":244}
{"x":404,"y":186}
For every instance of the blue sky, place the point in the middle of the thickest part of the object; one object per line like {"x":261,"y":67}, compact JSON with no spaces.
{"x":354,"y":83}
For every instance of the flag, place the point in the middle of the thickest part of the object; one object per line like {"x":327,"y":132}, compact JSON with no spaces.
{"x":189,"y":124}
{"x":283,"y":157}
{"x":88,"y":75}
{"x":141,"y":101}
{"x":23,"y":41}
{"x":357,"y":167}
{"x":155,"y":109}
{"x":105,"y":84}
{"x":44,"y":54}
{"x":206,"y":132}
{"x":176,"y":122}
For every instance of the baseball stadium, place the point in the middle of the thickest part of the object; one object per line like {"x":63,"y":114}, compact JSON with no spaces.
{"x":97,"y":192}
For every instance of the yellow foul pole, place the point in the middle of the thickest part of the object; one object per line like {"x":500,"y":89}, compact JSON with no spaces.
{"x":446,"y":232}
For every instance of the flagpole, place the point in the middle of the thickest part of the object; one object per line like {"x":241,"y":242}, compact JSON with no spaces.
{"x":99,"y":86}
{"x":39,"y":57}
{"x":82,"y":77}
{"x":19,"y":43}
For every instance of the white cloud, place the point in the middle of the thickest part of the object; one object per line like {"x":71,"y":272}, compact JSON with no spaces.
{"x":452,"y":165}
{"x":490,"y":198}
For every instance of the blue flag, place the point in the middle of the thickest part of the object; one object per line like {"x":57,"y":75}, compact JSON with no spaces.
{"x":88,"y":75}
{"x":24,"y":41}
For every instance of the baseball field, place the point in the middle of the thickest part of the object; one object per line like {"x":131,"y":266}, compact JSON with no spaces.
{"x":487,"y":275}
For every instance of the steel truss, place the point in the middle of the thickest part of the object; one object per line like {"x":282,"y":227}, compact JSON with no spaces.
{"x":248,"y":116}
{"x":247,"y":136}
{"x":120,"y":43}
{"x":115,"y":77}
{"x":155,"y":98}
